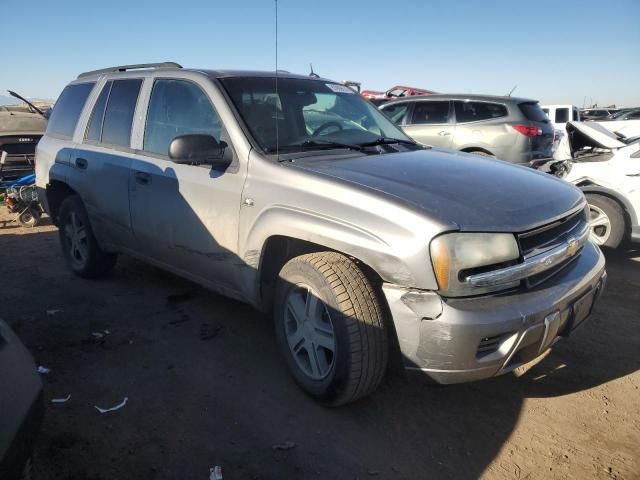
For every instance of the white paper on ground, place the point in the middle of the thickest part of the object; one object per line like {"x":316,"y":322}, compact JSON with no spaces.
{"x":112,"y":409}
{"x":61,"y":400}
{"x":43,"y":370}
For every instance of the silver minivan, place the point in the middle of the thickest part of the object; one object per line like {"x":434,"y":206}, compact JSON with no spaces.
{"x":508,"y":128}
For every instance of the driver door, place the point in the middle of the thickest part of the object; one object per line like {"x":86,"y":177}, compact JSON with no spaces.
{"x":185,"y":217}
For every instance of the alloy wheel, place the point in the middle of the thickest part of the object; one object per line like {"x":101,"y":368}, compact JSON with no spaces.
{"x":599,"y":225}
{"x":77,"y":241}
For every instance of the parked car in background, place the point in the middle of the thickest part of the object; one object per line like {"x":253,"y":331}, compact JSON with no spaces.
{"x":296,"y":195}
{"x":508,"y":128}
{"x":607,"y":170}
{"x":378,"y":98}
{"x":626,"y":114}
{"x":21,"y":405}
{"x":588,"y":114}
{"x":21,"y":127}
{"x":561,"y":114}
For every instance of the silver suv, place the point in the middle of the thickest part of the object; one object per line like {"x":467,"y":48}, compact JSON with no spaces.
{"x":299,"y":197}
{"x":508,"y":128}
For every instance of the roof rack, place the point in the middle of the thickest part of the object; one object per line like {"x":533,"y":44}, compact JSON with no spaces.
{"x":124,"y":68}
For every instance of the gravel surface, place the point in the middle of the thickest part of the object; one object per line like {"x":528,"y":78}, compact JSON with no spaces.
{"x":205,"y":386}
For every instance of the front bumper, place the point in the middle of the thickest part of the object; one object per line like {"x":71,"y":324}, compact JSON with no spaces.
{"x":466,"y":339}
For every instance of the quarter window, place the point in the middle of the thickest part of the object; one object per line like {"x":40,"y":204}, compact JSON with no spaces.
{"x":430,"y":112}
{"x":475,"y":111}
{"x":118,"y":116}
{"x":94,"y":129}
{"x":178,"y":108}
{"x":66,"y":111}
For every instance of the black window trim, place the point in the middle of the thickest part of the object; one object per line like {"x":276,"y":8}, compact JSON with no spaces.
{"x":493,"y":102}
{"x":86,"y":128}
{"x":110,"y":146}
{"x":235,"y":165}
{"x":67,"y":137}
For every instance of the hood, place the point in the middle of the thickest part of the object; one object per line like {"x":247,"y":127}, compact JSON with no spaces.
{"x":591,"y":134}
{"x":13,"y":122}
{"x":457,"y":189}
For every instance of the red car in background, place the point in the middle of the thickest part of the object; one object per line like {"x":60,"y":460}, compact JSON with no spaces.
{"x":378,"y":98}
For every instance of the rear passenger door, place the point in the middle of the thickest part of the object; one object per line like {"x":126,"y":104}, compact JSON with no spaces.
{"x":101,"y":163}
{"x":482,"y":125}
{"x":430,"y":123}
{"x":186,"y":216}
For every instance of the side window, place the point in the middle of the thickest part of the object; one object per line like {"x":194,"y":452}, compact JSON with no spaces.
{"x":575,"y":114}
{"x":66,"y":111}
{"x":94,"y":129}
{"x":634,"y":115}
{"x":562,"y":115}
{"x":178,"y":107}
{"x":475,"y":111}
{"x":396,"y":112}
{"x":430,"y":112}
{"x":118,"y":116}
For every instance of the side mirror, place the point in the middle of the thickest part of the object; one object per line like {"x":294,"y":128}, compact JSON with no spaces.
{"x":199,"y":149}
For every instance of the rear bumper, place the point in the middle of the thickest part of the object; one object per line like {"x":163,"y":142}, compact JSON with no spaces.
{"x":21,"y":404}
{"x":462,"y":340}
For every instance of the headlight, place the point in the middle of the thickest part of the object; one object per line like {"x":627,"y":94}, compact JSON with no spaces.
{"x":458,"y":255}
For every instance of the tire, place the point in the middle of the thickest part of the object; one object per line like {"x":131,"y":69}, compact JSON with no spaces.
{"x":350,"y":308}
{"x":84,"y":257}
{"x":29,"y":218}
{"x":606,"y":221}
{"x":481,"y":153}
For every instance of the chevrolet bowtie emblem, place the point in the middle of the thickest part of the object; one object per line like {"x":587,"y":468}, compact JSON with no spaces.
{"x":572,"y":247}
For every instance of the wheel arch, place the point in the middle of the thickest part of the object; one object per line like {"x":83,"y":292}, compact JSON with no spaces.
{"x":56,"y":191}
{"x":477,"y":149}
{"x":630,"y":215}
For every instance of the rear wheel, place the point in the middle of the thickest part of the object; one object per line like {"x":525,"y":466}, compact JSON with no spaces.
{"x":606,"y":220}
{"x":330,"y":327}
{"x":79,"y":246}
{"x":482,"y":153}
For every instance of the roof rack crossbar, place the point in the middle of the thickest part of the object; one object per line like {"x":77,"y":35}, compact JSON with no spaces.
{"x":124,"y":68}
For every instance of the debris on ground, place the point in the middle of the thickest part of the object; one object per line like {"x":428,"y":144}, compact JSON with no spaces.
{"x":43,"y":370}
{"x":53,"y":312}
{"x":183,"y":319}
{"x":112,"y":409}
{"x":215,"y":473}
{"x":284,"y":446}
{"x":61,"y":400}
{"x":208,"y":331}
{"x":98,"y":337}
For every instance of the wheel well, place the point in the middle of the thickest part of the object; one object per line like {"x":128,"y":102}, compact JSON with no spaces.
{"x":476,"y":149}
{"x":56,"y":192}
{"x":279,"y":249}
{"x":623,"y":207}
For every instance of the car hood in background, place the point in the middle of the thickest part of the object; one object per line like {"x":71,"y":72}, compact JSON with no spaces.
{"x":591,"y":134}
{"x":472,"y":192}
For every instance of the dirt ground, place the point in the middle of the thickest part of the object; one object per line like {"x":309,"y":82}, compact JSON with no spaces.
{"x":206,"y":387}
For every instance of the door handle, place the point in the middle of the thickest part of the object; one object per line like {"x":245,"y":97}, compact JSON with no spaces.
{"x":143,"y":178}
{"x":444,"y":133}
{"x":82,"y":163}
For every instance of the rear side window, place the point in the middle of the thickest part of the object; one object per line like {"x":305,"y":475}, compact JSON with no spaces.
{"x":66,"y":111}
{"x":396,"y":112}
{"x":178,"y":108}
{"x":430,"y":112}
{"x":118,"y":116}
{"x":94,"y":129}
{"x":533,"y":112}
{"x":575,"y":114}
{"x":634,"y":115}
{"x":475,"y":111}
{"x":562,"y":115}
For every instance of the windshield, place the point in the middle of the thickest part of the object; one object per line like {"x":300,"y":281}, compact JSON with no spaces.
{"x":307,"y":114}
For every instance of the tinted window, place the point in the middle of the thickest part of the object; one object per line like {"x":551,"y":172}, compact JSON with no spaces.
{"x":67,"y":109}
{"x":94,"y":129}
{"x":634,"y":115}
{"x":118,"y":117}
{"x":575,"y":114}
{"x":396,"y":112}
{"x":178,"y":108}
{"x":562,"y":115}
{"x":430,"y":112}
{"x":533,"y":112}
{"x":474,"y":111}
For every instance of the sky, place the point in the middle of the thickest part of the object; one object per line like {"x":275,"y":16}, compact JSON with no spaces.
{"x":554,"y":51}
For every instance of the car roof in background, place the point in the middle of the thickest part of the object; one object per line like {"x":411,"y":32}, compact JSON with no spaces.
{"x":461,"y":96}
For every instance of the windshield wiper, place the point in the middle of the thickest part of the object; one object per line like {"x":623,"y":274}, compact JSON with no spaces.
{"x":314,"y":144}
{"x":388,"y":141}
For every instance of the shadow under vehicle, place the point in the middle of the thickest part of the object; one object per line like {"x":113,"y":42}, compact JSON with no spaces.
{"x":21,"y":128}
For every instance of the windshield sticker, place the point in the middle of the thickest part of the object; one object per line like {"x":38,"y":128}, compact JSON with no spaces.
{"x":339,"y":88}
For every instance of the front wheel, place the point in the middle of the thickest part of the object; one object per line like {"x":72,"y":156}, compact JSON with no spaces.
{"x":606,"y":221}
{"x":79,"y":246}
{"x":330,"y":327}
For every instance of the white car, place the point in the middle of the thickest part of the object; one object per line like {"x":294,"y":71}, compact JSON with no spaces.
{"x":606,"y":167}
